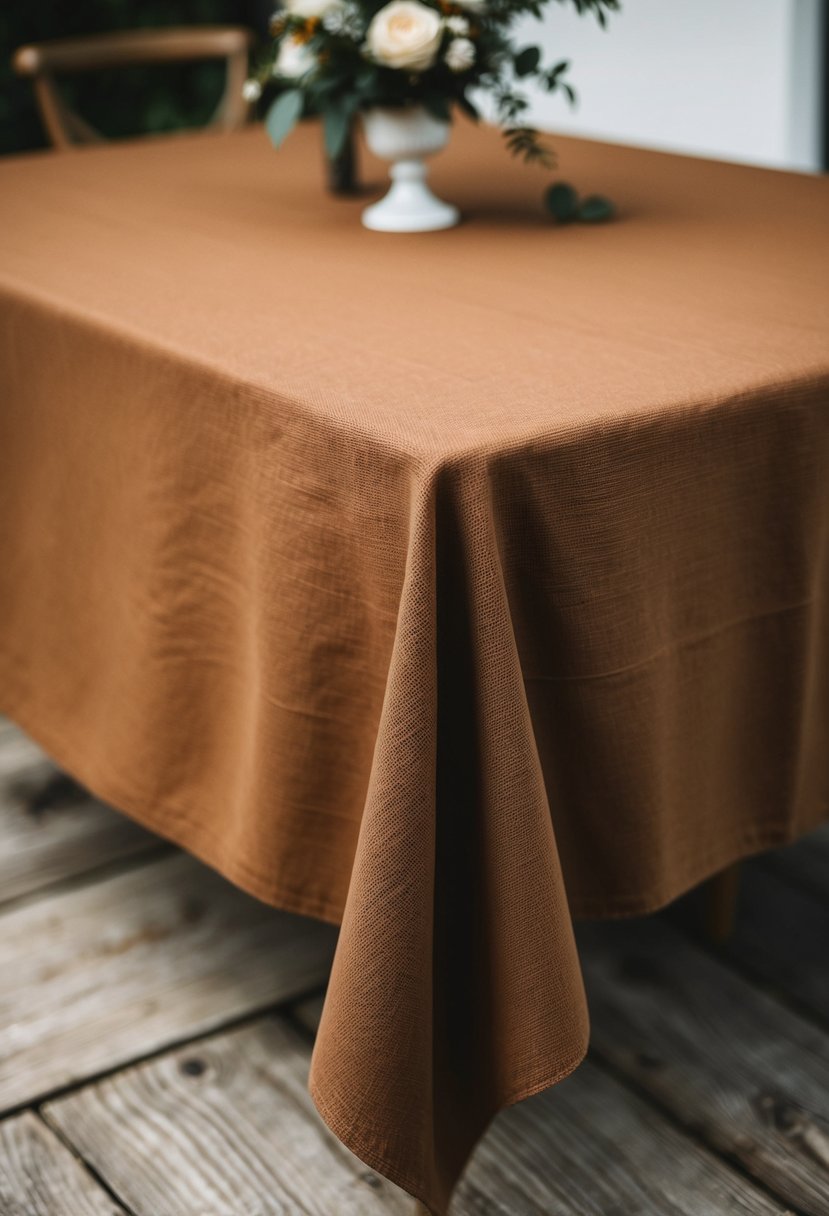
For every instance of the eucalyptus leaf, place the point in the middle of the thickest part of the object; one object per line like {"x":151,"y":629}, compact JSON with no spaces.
{"x":327,"y":84}
{"x":562,"y":202}
{"x":596,"y":209}
{"x":526,"y":61}
{"x":336,"y":121}
{"x":367,"y":79}
{"x":283,"y":115}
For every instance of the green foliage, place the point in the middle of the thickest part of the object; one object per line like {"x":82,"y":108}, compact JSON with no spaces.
{"x":599,"y":8}
{"x":343,"y":79}
{"x":123,"y":102}
{"x":525,"y":142}
{"x":283,"y":115}
{"x":596,"y":209}
{"x":526,"y":62}
{"x":535,"y":8}
{"x":562,"y":202}
{"x":565,"y":206}
{"x":336,"y":126}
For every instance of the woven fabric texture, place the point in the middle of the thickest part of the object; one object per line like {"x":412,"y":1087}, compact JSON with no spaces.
{"x":444,"y":587}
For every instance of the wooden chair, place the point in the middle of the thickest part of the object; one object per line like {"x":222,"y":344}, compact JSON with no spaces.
{"x":46,"y":60}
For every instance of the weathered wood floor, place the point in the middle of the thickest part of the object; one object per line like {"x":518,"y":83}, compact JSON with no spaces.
{"x":156,"y":1027}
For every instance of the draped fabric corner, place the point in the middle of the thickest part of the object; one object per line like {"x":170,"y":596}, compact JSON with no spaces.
{"x":442,"y":587}
{"x":456,"y":911}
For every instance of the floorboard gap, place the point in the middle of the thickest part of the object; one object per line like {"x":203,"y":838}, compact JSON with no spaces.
{"x":90,"y":1169}
{"x":689,"y":1131}
{"x":94,"y":1078}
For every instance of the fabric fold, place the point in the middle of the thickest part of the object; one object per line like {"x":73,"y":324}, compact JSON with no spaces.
{"x":455,"y":988}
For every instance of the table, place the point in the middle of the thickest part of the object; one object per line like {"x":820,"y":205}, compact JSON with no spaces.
{"x":444,"y":587}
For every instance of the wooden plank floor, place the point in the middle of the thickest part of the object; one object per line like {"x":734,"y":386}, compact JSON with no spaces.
{"x":156,"y":1027}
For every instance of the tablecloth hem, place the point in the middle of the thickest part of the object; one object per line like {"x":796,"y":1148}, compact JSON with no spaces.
{"x":745,"y":846}
{"x":376,"y":1159}
{"x":168,"y":821}
{"x":181,"y":828}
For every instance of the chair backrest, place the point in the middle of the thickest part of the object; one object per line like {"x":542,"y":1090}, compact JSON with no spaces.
{"x":44,"y":61}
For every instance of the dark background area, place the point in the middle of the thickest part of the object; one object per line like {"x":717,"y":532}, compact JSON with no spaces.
{"x":133,"y":100}
{"x":126,"y":101}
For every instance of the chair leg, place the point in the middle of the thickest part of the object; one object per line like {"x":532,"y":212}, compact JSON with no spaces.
{"x":719,"y":907}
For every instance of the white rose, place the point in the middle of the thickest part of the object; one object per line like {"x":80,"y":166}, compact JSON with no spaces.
{"x":460,"y":54}
{"x":311,"y":8}
{"x":294,"y":59}
{"x":405,"y":34}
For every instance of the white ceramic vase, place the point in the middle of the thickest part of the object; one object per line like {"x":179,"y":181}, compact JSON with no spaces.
{"x":406,"y":137}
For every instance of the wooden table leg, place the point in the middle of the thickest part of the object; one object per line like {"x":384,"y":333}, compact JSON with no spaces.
{"x":720,"y":903}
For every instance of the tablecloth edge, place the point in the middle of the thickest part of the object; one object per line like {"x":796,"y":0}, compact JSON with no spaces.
{"x":111,"y":790}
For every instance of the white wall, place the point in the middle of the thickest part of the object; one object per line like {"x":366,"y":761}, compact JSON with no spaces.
{"x":736,"y":79}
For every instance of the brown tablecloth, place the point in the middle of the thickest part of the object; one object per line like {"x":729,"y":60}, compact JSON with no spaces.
{"x":443,"y":586}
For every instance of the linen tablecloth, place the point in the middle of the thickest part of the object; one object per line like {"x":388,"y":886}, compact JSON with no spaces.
{"x":443,"y":587}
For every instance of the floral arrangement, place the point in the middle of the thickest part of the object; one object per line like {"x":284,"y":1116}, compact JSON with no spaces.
{"x":338,"y":57}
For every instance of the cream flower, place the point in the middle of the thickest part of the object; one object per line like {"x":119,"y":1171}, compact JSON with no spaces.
{"x":405,"y":34}
{"x":457,"y":25}
{"x":251,"y":90}
{"x":460,"y":54}
{"x":311,"y":8}
{"x":294,"y":59}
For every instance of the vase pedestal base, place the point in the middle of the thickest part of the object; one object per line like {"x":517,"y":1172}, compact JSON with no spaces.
{"x":410,"y":205}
